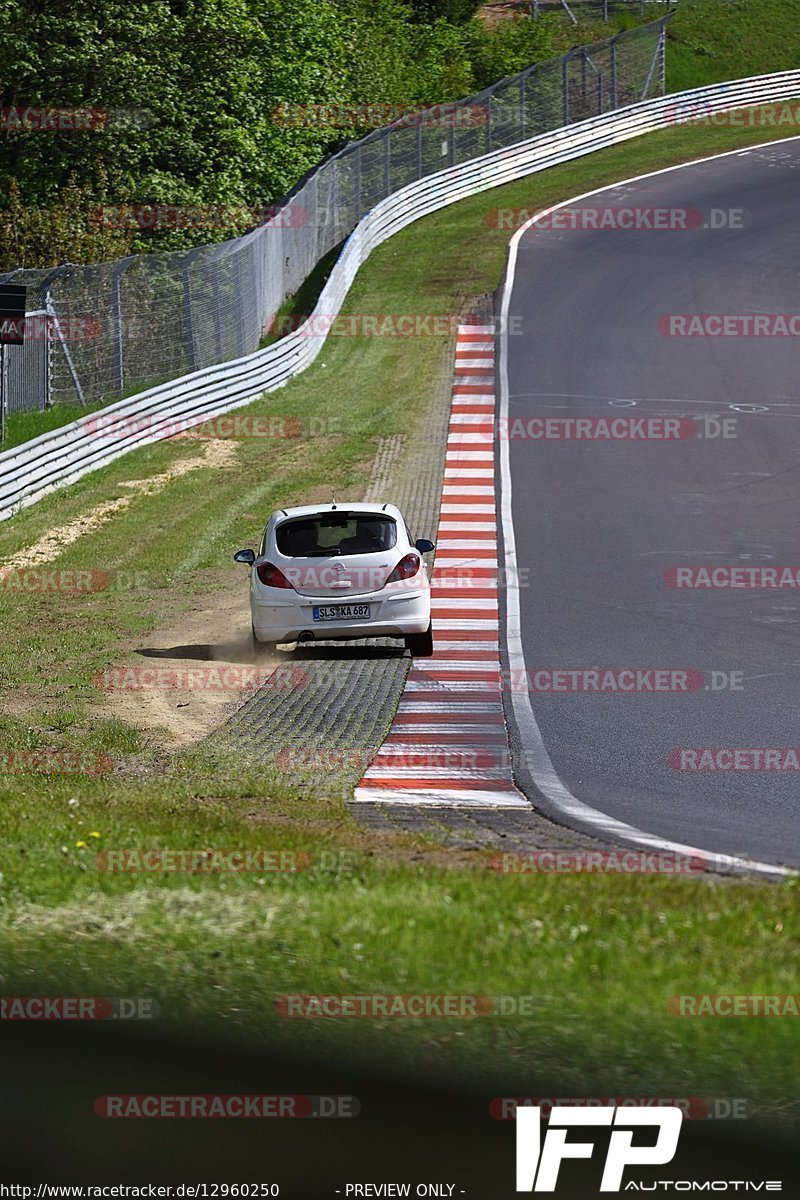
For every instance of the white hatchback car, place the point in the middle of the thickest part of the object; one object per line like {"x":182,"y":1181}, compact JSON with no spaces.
{"x":340,"y":572}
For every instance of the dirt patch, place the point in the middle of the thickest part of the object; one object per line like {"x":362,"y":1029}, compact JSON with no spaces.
{"x":503,"y":10}
{"x":217,"y":454}
{"x":215,"y":631}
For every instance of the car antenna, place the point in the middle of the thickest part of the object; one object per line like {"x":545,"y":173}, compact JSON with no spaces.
{"x":333,"y":500}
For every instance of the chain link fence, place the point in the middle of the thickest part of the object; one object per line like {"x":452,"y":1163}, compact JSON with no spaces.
{"x":577,"y":9}
{"x":108,"y":330}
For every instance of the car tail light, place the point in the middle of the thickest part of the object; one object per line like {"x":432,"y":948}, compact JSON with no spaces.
{"x":272,"y":576}
{"x":405,"y":569}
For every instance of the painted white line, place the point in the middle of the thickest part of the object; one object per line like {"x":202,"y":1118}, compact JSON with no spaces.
{"x":456,"y":664}
{"x":456,"y":623}
{"x":460,"y":438}
{"x":449,"y":706}
{"x":434,"y":729}
{"x":443,"y":644}
{"x":460,"y":509}
{"x":569,"y":807}
{"x":446,"y":798}
{"x":467,"y":420}
{"x":471,"y":550}
{"x":434,"y":774}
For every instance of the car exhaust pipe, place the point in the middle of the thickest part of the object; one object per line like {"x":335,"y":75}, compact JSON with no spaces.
{"x":306,"y":636}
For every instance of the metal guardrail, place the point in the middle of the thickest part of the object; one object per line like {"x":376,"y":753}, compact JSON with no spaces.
{"x":31,"y":471}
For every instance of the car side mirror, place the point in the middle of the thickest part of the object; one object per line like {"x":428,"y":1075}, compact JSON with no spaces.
{"x":245,"y":556}
{"x":424,"y":545}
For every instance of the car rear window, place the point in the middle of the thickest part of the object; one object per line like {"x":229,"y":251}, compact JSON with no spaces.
{"x":336,"y":533}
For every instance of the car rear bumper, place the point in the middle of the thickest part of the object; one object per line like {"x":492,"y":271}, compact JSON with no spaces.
{"x":394,"y":616}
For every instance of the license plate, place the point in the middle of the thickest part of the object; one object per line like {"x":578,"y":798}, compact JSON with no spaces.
{"x":341,"y":612}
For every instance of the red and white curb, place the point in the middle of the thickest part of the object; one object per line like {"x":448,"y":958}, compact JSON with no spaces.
{"x":448,"y":743}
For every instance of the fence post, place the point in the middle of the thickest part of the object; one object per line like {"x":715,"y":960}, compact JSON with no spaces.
{"x":215,"y":312}
{"x":50,"y":310}
{"x":116,"y":320}
{"x":657,"y":56}
{"x":387,"y":164}
{"x":357,"y":185}
{"x":565,"y":88}
{"x":191,"y":353}
{"x":613,"y":73}
{"x":523,"y":95}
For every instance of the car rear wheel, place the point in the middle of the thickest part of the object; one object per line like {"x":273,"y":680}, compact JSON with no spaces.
{"x":420,"y":644}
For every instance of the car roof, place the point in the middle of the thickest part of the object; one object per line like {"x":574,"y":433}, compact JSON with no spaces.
{"x":311,"y":510}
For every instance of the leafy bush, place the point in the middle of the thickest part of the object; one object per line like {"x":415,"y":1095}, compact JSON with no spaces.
{"x":185,"y":100}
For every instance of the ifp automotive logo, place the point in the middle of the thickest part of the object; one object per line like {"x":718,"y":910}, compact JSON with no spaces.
{"x":538,"y":1160}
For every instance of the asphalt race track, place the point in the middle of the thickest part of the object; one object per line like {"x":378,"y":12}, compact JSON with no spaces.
{"x":599,"y":523}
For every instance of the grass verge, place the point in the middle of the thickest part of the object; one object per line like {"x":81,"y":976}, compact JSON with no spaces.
{"x":600,"y":956}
